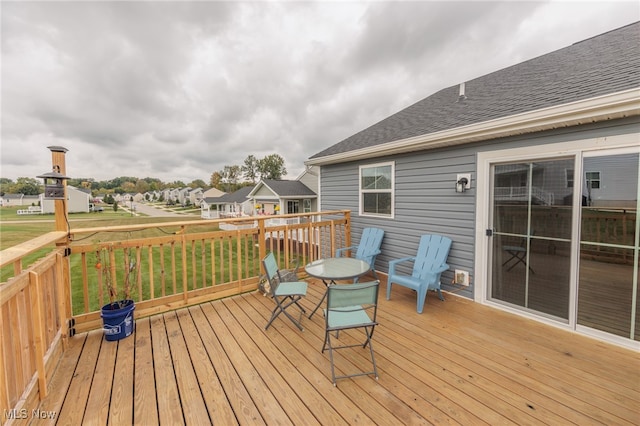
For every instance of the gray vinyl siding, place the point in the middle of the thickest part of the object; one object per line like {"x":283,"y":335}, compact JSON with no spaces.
{"x":425,"y":197}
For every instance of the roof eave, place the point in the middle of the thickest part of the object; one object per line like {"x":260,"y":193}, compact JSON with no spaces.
{"x":601,"y":108}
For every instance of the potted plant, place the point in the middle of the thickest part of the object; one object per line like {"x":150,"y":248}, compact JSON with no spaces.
{"x":117,"y":315}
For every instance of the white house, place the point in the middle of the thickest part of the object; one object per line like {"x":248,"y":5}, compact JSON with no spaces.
{"x":78,"y":200}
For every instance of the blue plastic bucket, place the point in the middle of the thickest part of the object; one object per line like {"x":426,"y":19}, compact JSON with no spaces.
{"x":118,"y":323}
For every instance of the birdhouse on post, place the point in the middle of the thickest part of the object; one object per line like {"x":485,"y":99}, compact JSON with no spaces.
{"x":54,"y":185}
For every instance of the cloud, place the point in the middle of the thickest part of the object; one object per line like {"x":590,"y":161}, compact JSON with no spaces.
{"x":178,"y":90}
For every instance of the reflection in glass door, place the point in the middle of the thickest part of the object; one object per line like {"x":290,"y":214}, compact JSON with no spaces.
{"x":532,"y":213}
{"x":608,"y":273}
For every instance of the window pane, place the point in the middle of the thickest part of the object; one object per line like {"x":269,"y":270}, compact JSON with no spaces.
{"x":377,"y":203}
{"x":608,"y":250}
{"x":293,"y":207}
{"x":376,"y":178}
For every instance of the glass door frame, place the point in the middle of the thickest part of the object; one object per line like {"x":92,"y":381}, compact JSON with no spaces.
{"x":483,"y":261}
{"x":592,"y":331}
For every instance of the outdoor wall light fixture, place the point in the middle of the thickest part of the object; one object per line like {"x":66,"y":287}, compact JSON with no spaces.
{"x":53,"y":184}
{"x":463,"y":182}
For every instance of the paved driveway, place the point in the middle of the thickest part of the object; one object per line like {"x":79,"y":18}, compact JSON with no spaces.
{"x":154,"y":211}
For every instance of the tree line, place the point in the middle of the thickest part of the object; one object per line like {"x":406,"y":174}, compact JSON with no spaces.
{"x":229,"y":179}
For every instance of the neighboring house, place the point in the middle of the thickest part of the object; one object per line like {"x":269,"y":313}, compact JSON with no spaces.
{"x":282,"y":196}
{"x":195,"y":196}
{"x":213,"y":193}
{"x":550,"y":150}
{"x":310,"y":177}
{"x":78,"y":200}
{"x":235,"y":204}
{"x":208,"y":206}
{"x":99,"y":198}
{"x":183,"y":195}
{"x":19,"y":200}
{"x":166,"y":194}
{"x":153,"y":195}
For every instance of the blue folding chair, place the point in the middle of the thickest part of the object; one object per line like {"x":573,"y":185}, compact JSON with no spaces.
{"x":351,"y":306}
{"x":368,"y":249}
{"x":428,"y":264}
{"x":284,"y":293}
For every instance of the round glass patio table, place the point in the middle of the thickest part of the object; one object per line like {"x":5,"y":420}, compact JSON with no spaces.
{"x":334,"y":269}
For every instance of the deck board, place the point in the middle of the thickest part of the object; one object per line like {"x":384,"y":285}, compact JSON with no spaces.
{"x":145,"y":408}
{"x":168,"y":398}
{"x":457,"y":363}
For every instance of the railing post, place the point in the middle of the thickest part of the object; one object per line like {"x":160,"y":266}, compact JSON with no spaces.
{"x":347,"y":228}
{"x":63,"y":295}
{"x":262,"y":243}
{"x":37,"y":331}
{"x":59,"y":164}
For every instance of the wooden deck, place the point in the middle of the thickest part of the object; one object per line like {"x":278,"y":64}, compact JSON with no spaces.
{"x":457,"y":363}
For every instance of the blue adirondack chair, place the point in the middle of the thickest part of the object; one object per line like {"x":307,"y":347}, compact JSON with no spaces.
{"x":369,"y":247}
{"x":428,"y":264}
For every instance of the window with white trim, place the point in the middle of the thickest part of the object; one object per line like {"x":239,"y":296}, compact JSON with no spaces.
{"x":377,"y":189}
{"x":593,"y":180}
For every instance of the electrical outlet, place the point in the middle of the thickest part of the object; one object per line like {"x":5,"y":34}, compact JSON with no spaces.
{"x":461,"y":277}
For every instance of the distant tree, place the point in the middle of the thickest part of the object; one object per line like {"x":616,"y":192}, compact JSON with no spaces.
{"x":216,"y":180}
{"x":142,"y":186}
{"x":115,"y":207}
{"x":230,"y":177}
{"x":198,"y":183}
{"x":250,"y":168}
{"x":154,"y":184}
{"x":129,"y":187}
{"x":5,"y":185}
{"x":26,"y":186}
{"x":272,"y":167}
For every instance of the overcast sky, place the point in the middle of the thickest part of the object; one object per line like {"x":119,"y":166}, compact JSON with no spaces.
{"x":178,"y":90}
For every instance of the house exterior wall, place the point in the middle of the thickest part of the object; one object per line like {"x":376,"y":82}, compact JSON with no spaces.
{"x":610,"y":192}
{"x":425,"y":199}
{"x":310,"y":179}
{"x":77,"y":202}
{"x":19,"y":200}
{"x":264,"y":192}
{"x":212,"y":193}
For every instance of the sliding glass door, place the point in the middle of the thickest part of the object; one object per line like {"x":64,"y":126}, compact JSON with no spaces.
{"x":608,"y":273}
{"x":532,"y":219}
{"x":565,"y":239}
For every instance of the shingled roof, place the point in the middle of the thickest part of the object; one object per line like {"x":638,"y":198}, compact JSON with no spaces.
{"x":288,"y":188}
{"x":605,"y":64}
{"x":239,"y":196}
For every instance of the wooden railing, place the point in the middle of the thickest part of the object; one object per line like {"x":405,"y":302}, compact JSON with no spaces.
{"x":32,"y":322}
{"x":606,"y":233}
{"x":179,"y":264}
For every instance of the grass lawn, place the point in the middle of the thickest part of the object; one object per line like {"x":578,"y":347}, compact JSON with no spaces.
{"x":16,"y":229}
